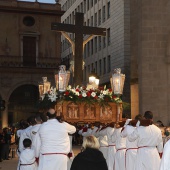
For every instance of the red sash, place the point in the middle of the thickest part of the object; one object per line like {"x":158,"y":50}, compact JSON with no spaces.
{"x":54,"y":154}
{"x":27,"y":164}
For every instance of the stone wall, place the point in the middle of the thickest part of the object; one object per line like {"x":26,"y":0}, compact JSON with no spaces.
{"x":149,"y":41}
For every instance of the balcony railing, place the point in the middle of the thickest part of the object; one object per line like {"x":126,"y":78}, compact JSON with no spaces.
{"x":17,"y":61}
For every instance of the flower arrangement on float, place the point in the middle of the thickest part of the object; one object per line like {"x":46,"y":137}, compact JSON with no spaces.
{"x":101,"y":96}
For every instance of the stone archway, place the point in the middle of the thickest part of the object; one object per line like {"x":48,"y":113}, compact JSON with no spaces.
{"x":22,"y":103}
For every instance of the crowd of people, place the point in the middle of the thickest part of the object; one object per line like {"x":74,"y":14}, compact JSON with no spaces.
{"x":6,"y":140}
{"x":45,"y":142}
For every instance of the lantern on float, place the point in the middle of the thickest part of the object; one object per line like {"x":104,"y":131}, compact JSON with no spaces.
{"x":44,"y":86}
{"x":62,"y":78}
{"x":117,"y":81}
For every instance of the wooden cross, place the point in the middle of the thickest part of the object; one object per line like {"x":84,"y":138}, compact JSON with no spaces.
{"x":79,"y":30}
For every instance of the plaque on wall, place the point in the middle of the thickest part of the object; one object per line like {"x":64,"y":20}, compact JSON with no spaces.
{"x":106,"y":113}
{"x":72,"y":111}
{"x":89,"y":111}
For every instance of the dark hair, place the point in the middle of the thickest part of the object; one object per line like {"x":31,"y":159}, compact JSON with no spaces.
{"x":38,"y":119}
{"x":51,"y":116}
{"x":31,"y":120}
{"x":43,"y":117}
{"x":148,"y":115}
{"x":27,"y":142}
{"x":139,"y":117}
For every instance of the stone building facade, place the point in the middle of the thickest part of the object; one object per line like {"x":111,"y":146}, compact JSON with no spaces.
{"x":29,"y":50}
{"x":150,"y":69}
{"x":137,"y":41}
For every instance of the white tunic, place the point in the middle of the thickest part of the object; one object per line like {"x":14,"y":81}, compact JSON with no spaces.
{"x":53,"y":144}
{"x":70,"y":160}
{"x":120,"y":142}
{"x":27,"y":160}
{"x":103,"y":141}
{"x":111,"y":148}
{"x":25,"y":134}
{"x":165,"y":165}
{"x":131,"y":148}
{"x":149,"y":144}
{"x":33,"y":132}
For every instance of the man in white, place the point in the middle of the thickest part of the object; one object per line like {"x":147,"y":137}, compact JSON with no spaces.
{"x":120,"y":142}
{"x":149,"y":144}
{"x":103,"y":141}
{"x":34,"y":130}
{"x":131,"y":147}
{"x":111,"y":147}
{"x":165,"y":165}
{"x":26,"y":132}
{"x":53,"y":144}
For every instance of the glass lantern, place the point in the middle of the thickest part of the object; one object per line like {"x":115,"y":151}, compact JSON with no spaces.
{"x":62,"y":78}
{"x":117,"y":81}
{"x":93,"y":80}
{"x":44,"y":87}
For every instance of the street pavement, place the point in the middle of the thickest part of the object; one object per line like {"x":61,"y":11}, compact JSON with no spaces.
{"x":11,"y":164}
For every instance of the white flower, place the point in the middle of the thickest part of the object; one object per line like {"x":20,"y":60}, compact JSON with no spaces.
{"x":84,"y":94}
{"x":42,"y":97}
{"x":53,"y":98}
{"x":77,"y":93}
{"x":93,"y":94}
{"x":69,"y":87}
{"x":101,"y":96}
{"x":104,"y":92}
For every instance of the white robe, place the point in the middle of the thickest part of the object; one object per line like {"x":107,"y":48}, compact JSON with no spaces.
{"x":120,"y":142}
{"x":27,"y":156}
{"x":103,"y":141}
{"x":131,"y":148}
{"x":25,"y":134}
{"x":111,"y":148}
{"x":149,"y":144}
{"x":70,"y":160}
{"x":53,"y":145}
{"x":33,"y":132}
{"x":165,"y":165}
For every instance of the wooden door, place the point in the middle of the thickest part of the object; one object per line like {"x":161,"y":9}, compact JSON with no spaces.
{"x":29,"y":51}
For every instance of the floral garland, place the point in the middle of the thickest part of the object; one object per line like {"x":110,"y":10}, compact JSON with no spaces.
{"x":101,"y":96}
{"x":90,"y":96}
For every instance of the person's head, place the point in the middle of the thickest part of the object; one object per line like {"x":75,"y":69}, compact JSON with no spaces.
{"x":38,"y":119}
{"x":160,"y":124}
{"x":27,"y":143}
{"x":148,"y":115}
{"x":90,"y":142}
{"x":51,"y":114}
{"x":43,"y":117}
{"x":31,"y":120}
{"x":138,"y":117}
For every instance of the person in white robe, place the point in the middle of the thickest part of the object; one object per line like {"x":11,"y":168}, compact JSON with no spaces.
{"x":119,"y":163}
{"x":165,"y":164}
{"x":53,"y":144}
{"x":131,"y":147}
{"x":27,"y":157}
{"x":34,"y":130}
{"x":103,"y":141}
{"x":87,"y":132}
{"x":111,"y":147}
{"x":150,"y":144}
{"x":26,"y":132}
{"x":70,"y":154}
